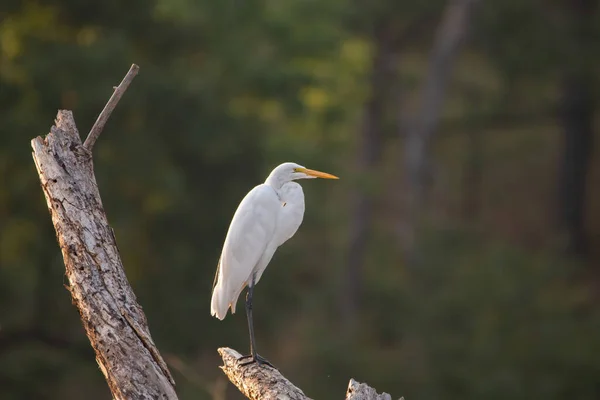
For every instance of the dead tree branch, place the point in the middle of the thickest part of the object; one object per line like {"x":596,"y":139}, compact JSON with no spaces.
{"x":266,"y":383}
{"x":109,"y":107}
{"x":113,"y":320}
{"x":258,"y":382}
{"x":362,"y":391}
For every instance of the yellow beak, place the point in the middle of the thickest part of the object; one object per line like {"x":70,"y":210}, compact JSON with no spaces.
{"x":316,"y":174}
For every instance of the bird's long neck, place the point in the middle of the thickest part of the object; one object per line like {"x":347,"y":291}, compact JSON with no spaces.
{"x":275,"y":181}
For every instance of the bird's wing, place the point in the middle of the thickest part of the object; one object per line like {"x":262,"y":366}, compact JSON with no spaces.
{"x":251,"y":230}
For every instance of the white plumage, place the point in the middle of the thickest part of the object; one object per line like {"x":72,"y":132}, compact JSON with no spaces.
{"x":248,"y":248}
{"x":266,"y":218}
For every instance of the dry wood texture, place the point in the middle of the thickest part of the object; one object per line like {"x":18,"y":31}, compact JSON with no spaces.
{"x":362,"y":391}
{"x":266,"y":383}
{"x":113,"y":320}
{"x":258,"y":382}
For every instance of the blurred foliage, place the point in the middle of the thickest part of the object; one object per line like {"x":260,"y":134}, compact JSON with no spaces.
{"x":229,"y":89}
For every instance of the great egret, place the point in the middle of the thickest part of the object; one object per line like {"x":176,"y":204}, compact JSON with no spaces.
{"x":267,"y":217}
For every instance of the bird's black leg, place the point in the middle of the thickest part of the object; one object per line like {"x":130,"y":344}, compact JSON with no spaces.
{"x":254,"y":357}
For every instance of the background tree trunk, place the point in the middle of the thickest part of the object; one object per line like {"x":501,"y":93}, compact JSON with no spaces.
{"x":576,"y":118}
{"x":369,"y":155}
{"x":449,"y":37}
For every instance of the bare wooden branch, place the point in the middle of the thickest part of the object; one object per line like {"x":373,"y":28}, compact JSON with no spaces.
{"x":113,"y":320}
{"x":258,"y":382}
{"x":109,"y":107}
{"x":362,"y":391}
{"x":266,"y":383}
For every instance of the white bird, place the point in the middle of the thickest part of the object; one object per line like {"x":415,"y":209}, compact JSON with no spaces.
{"x":266,"y":218}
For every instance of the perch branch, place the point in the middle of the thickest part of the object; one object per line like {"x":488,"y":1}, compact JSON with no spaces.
{"x":266,"y":383}
{"x":258,"y":382}
{"x":109,"y":107}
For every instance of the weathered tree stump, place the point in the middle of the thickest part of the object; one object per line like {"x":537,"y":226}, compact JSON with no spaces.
{"x":113,"y":320}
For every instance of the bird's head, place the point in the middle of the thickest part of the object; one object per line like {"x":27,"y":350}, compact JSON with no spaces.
{"x":289,"y":171}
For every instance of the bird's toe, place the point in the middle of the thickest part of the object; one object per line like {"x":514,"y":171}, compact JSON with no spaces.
{"x":254,"y":359}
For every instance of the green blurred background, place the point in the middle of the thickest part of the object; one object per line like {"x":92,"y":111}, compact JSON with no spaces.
{"x":466,"y":267}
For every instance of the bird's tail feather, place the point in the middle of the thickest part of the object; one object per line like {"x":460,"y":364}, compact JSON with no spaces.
{"x":219,"y":303}
{"x":223,"y":297}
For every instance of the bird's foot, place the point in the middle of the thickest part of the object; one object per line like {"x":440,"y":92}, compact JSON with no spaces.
{"x":254,"y":359}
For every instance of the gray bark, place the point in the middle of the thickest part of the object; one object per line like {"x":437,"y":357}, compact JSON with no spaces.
{"x":258,"y":382}
{"x":266,"y":383}
{"x":113,"y":320}
{"x":362,"y":391}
